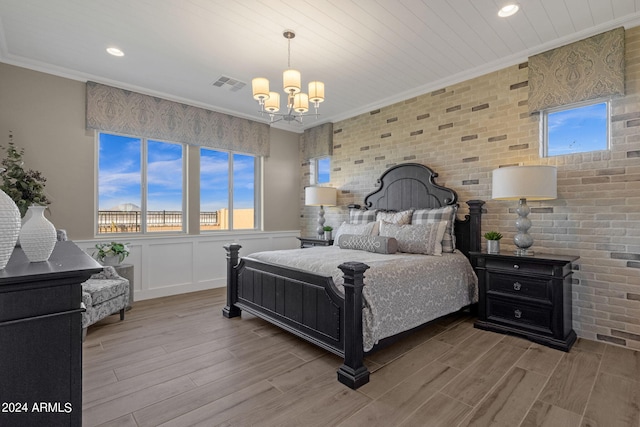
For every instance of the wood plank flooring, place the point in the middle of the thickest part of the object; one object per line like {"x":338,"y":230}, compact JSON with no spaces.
{"x":177,"y":361}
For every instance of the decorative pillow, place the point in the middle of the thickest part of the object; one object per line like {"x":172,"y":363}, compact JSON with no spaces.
{"x":399,"y":218}
{"x":357,"y":216}
{"x":360,"y":229}
{"x":416,"y":238}
{"x":447,"y":213}
{"x":377,"y":244}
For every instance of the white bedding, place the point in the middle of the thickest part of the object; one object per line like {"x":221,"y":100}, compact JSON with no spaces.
{"x":401,"y":291}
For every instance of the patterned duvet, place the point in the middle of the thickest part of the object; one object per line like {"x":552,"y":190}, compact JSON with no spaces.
{"x":401,"y":291}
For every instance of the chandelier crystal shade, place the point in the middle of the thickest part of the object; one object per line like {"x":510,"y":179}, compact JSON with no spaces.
{"x":297,"y":101}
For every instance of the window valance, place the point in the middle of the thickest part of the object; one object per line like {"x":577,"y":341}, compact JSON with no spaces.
{"x":317,"y":141}
{"x":113,"y":109}
{"x":587,"y":69}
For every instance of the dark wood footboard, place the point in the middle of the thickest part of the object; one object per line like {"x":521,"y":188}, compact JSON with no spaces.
{"x":305,"y":304}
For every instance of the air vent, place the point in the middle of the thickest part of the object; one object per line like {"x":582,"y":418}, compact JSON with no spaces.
{"x":232,"y":84}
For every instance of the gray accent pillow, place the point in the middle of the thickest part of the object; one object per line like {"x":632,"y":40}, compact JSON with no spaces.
{"x":357,"y":216}
{"x":416,"y":238}
{"x":361,"y":229}
{"x":377,"y":244}
{"x":447,"y":213}
{"x":393,"y":217}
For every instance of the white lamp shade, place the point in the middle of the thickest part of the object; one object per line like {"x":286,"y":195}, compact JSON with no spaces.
{"x":272,"y":104}
{"x":260,"y":87}
{"x":525,"y":182}
{"x":316,"y":92}
{"x":301,"y":102}
{"x":291,"y":80}
{"x":320,"y":196}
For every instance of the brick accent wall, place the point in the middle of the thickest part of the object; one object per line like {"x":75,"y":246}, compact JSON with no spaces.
{"x":466,"y":130}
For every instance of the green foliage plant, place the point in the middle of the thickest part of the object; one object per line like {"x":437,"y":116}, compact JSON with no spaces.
{"x":25,"y":187}
{"x":121,"y":250}
{"x":492,"y":235}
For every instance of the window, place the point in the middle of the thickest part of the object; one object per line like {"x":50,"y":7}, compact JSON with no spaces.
{"x":140,"y":185}
{"x":322,"y":166}
{"x":227,"y":190}
{"x":578,"y":128}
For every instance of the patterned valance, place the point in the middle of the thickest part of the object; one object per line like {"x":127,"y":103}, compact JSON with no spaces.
{"x":117,"y":110}
{"x":317,"y":141}
{"x":587,"y":69}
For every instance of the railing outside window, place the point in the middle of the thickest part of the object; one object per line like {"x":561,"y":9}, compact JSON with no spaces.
{"x":129,"y":222}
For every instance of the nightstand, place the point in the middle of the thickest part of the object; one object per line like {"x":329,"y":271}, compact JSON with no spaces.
{"x":529,"y":296}
{"x":309,"y":242}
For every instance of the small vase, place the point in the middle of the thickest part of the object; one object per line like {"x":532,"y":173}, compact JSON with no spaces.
{"x":493,"y":246}
{"x":38,"y":235}
{"x":327,"y":235}
{"x":112,"y":260}
{"x":9,"y":227}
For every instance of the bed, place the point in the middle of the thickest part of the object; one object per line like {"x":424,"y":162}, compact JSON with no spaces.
{"x":329,"y":305}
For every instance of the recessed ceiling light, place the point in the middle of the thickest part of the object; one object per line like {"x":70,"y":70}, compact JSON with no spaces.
{"x":115,"y":51}
{"x":508,"y":10}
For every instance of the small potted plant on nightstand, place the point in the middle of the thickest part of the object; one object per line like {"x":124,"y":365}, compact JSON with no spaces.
{"x":493,"y":242}
{"x":327,"y":232}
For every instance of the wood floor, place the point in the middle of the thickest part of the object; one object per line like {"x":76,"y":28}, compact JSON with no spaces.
{"x":176,"y":361}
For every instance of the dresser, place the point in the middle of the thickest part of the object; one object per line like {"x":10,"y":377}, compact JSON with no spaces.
{"x":41,"y":337}
{"x":529,"y":296}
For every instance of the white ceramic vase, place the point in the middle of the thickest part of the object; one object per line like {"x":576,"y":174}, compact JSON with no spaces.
{"x":9,"y":227}
{"x":37,"y":236}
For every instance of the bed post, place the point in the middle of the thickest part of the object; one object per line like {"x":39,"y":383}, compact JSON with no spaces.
{"x":475,"y":215}
{"x":353,"y":373}
{"x":231,"y":310}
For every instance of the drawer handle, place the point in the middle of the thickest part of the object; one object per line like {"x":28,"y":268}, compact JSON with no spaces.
{"x":516,"y":266}
{"x":517,"y":314}
{"x":517,"y":286}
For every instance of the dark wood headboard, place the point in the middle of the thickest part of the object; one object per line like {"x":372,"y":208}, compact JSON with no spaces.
{"x":412,"y":186}
{"x":409,"y":186}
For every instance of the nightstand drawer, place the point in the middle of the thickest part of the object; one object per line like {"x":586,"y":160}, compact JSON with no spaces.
{"x":519,"y":266}
{"x":538,"y":318}
{"x":517,"y":285}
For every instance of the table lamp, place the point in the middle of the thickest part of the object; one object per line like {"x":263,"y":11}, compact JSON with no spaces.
{"x":320,"y":196}
{"x":522,"y":183}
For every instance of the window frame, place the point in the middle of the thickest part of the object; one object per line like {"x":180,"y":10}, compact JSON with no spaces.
{"x":316,"y":170}
{"x":544,"y":125}
{"x":257,"y":190}
{"x":144,"y":183}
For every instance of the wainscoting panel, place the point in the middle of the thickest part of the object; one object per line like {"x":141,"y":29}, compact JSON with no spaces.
{"x":171,"y":265}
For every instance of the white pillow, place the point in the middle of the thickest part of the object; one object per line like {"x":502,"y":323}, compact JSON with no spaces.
{"x":361,"y":229}
{"x":416,"y":238}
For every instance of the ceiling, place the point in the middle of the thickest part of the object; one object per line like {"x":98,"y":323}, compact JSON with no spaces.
{"x":369,"y":53}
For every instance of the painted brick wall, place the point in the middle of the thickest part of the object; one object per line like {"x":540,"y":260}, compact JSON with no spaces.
{"x":466,"y":130}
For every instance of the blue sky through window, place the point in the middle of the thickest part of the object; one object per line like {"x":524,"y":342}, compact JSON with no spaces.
{"x":577,"y":130}
{"x":214,"y":180}
{"x":324,"y":165}
{"x":119,"y":177}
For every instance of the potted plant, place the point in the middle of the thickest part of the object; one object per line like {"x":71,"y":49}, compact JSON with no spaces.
{"x":111,"y":253}
{"x":25,"y":187}
{"x":493,"y":242}
{"x":327,"y":232}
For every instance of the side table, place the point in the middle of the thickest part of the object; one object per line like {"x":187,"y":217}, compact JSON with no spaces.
{"x":309,"y":242}
{"x":126,"y":271}
{"x":528,"y":296}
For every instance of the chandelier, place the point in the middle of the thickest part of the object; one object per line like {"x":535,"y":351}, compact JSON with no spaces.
{"x":297,"y":101}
